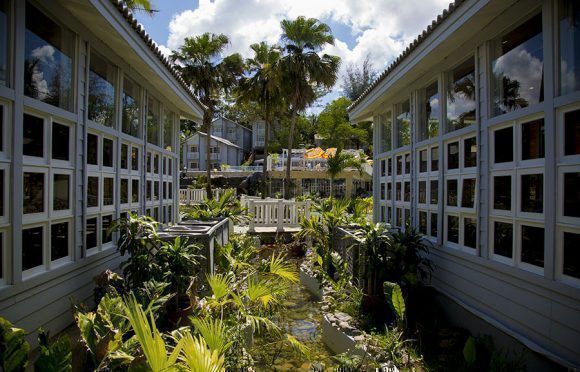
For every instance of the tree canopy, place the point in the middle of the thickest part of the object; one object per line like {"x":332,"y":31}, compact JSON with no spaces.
{"x":337,"y":131}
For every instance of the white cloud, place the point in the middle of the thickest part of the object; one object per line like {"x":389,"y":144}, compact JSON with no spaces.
{"x":382,"y":29}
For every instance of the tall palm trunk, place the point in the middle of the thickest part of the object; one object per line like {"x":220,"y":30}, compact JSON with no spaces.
{"x":265,"y":165}
{"x":207,"y":126}
{"x":287,"y":192}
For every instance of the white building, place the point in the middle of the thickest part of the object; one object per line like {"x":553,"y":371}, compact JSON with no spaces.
{"x":89,"y":121}
{"x":233,"y":132}
{"x":223,"y":153}
{"x":477,"y":144}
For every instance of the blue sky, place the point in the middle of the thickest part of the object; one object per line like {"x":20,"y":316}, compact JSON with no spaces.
{"x":379,"y":29}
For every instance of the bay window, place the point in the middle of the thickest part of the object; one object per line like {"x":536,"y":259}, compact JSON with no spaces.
{"x":131,"y":108}
{"x":153,"y":122}
{"x":430,"y":110}
{"x":101,"y":103}
{"x":403,"y":124}
{"x":460,"y":96}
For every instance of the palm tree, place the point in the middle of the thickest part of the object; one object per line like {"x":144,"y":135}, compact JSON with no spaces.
{"x":339,"y":162}
{"x":210,"y":75}
{"x":263,"y":87}
{"x":304,"y":70}
{"x":140,"y":5}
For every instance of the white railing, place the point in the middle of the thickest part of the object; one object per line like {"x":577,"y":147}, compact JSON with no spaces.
{"x":277,"y":213}
{"x":197,"y":196}
{"x":242,"y":168}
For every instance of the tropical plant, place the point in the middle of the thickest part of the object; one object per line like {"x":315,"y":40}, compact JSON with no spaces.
{"x":338,"y":163}
{"x":201,"y":62}
{"x":304,"y":70}
{"x":409,"y":261}
{"x":236,"y":254}
{"x":197,"y":357}
{"x":140,"y":5}
{"x":481,"y":354}
{"x":13,"y":347}
{"x":358,"y":78}
{"x":263,"y":86}
{"x":397,"y":301}
{"x":55,"y":356}
{"x":227,"y":206}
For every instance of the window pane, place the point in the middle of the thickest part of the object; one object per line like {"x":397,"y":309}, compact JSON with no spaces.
{"x":399,"y":165}
{"x":407,"y":191}
{"x":382,"y":191}
{"x":389,"y":167}
{"x":156,"y":163}
{"x":48,"y":64}
{"x":135,"y":191}
{"x":386,"y":124}
{"x":399,"y":219}
{"x":452,"y":193}
{"x":60,"y":142}
{"x":504,"y":145}
{"x":461,"y":96}
{"x":429,"y":126}
{"x":470,"y":152}
{"x":423,"y":222}
{"x":453,"y":229}
{"x":404,"y":124}
{"x":153,"y":123}
{"x":164,"y":190}
{"x":168,"y":130}
{"x":148,"y":191}
{"x":407,"y":163}
{"x":422,"y":192}
{"x":2,"y":212}
{"x":108,"y":193}
{"x":1,"y":255}
{"x":59,"y":241}
{"x":3,"y":50}
{"x":92,"y":149}
{"x":124,"y":154}
{"x":131,"y":97}
{"x":434,"y":159}
{"x":135,"y":158}
{"x":383,"y":168}
{"x":148,"y":162}
{"x":470,"y":232}
{"x":33,"y":136}
{"x":61,"y":197}
{"x":33,"y":190}
{"x":124,"y":191}
{"x":434,"y":225}
{"x":423,"y":161}
{"x":108,"y":152}
{"x":398,"y":195}
{"x":569,"y":50}
{"x":503,"y":239}
{"x":102,"y":76}
{"x":572,"y":255}
{"x":106,"y":222}
{"x":572,"y":132}
{"x":389,"y":191}
{"x":532,"y":193}
{"x":170,"y":190}
{"x":32,"y":251}
{"x":533,"y":140}
{"x":468,"y":193}
{"x":1,"y":117}
{"x":572,"y":194}
{"x":502,"y":190}
{"x":91,"y":232}
{"x":533,"y":245}
{"x":453,"y":155}
{"x":93,"y":192}
{"x":515,"y":87}
{"x":434,"y":192}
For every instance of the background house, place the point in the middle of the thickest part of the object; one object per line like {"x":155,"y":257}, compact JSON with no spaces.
{"x":476,"y":144}
{"x":223,"y":153}
{"x":233,"y":132}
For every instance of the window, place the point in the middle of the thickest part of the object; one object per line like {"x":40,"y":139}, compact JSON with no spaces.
{"x":156,"y":163}
{"x":106,"y":222}
{"x":404,"y":124}
{"x":131,"y":108}
{"x":193,"y":165}
{"x":389,"y":191}
{"x":470,"y":233}
{"x":32,"y":251}
{"x":389,"y":167}
{"x":135,"y":191}
{"x":461,"y":96}
{"x":429,"y":124}
{"x":504,"y":145}
{"x":2,"y":195}
{"x":33,"y":133}
{"x":108,"y":152}
{"x":533,"y":146}
{"x":453,"y":155}
{"x":569,"y":16}
{"x":407,"y":163}
{"x":124,"y":156}
{"x":423,"y":222}
{"x":383,"y":168}
{"x":156,"y":190}
{"x":470,"y":152}
{"x":468,"y":193}
{"x":532,"y":194}
{"x":193,"y":149}
{"x":153,"y":122}
{"x":422,"y":192}
{"x":148,"y":190}
{"x":399,"y":165}
{"x":92,"y":149}
{"x":453,"y":229}
{"x":4,"y":34}
{"x":434,"y":188}
{"x":502,"y":192}
{"x":148,"y":162}
{"x":512,"y":87}
{"x":48,"y":63}
{"x":91,"y":233}
{"x":92,"y":192}
{"x":383,"y":193}
{"x":532,"y":243}
{"x":572,"y":132}
{"x":134,"y":158}
{"x":61,"y":192}
{"x":571,"y":259}
{"x":572,"y":194}
{"x":168,"y":130}
{"x":452,"y":193}
{"x":59,"y":240}
{"x":434,"y":227}
{"x":503,"y":239}
{"x":108,"y":190}
{"x":102,"y":77}
{"x":33,"y":193}
{"x":60,"y":142}
{"x":434,"y":159}
{"x":124,"y":191}
{"x":423,"y":161}
{"x":407,"y":196}
{"x":386,"y":123}
{"x":1,"y":121}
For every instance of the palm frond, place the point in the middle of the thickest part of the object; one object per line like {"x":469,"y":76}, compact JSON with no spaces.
{"x":197,"y":357}
{"x":214,"y":332}
{"x":283,"y":269}
{"x":220,"y":285}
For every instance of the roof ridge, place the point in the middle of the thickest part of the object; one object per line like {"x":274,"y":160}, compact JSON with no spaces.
{"x":410,"y":48}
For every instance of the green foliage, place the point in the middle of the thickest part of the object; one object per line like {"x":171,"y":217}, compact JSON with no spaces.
{"x":227,"y":206}
{"x":358,"y":78}
{"x":338,"y":163}
{"x":336,"y":129}
{"x":13,"y":347}
{"x":469,"y":351}
{"x":215,"y":333}
{"x":236,"y":254}
{"x":480,"y":354}
{"x":390,"y":345}
{"x":179,"y":260}
{"x":348,"y":362}
{"x":199,"y":182}
{"x":197,"y":357}
{"x":55,"y":356}
{"x":396,"y":300}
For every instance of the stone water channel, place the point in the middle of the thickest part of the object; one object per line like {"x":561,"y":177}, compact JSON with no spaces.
{"x":302,"y":318}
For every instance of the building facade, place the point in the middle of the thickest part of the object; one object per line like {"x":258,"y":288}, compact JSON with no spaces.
{"x":89,"y":121}
{"x":223,"y":153}
{"x":477,"y":145}
{"x":233,"y":132}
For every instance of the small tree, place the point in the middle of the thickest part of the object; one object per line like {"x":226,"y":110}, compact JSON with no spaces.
{"x":338,"y":163}
{"x":357,"y":80}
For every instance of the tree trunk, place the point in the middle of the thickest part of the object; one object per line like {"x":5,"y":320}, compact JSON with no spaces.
{"x":265,"y":165}
{"x":207,"y":125}
{"x":287,"y":181}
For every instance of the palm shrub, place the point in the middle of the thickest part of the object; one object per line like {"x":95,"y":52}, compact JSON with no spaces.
{"x":338,"y":163}
{"x":409,"y":263}
{"x":227,"y":206}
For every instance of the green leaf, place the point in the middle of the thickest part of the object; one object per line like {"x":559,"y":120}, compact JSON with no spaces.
{"x":54,"y":357}
{"x":13,"y":347}
{"x":469,"y":351}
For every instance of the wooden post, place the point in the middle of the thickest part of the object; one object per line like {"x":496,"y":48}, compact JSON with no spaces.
{"x":280,"y":215}
{"x":252,"y":217}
